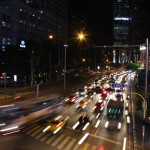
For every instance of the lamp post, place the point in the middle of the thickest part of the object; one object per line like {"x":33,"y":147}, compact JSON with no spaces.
{"x":145,"y":103}
{"x":4,"y":76}
{"x":65,"y":45}
{"x":80,"y":37}
{"x":50,"y":60}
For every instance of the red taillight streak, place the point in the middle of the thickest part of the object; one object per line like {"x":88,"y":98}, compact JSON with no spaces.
{"x":59,"y":124}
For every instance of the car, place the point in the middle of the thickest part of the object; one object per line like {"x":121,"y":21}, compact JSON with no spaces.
{"x":118,"y":91}
{"x":90,"y":94}
{"x":57,"y":124}
{"x":99,"y":106}
{"x":82,"y":104}
{"x":119,"y":97}
{"x":72,"y":98}
{"x":97,"y":89}
{"x":88,"y":86}
{"x":110,"y":90}
{"x":82,"y":91}
{"x":96,"y":81}
{"x":83,"y":121}
{"x":104,"y":93}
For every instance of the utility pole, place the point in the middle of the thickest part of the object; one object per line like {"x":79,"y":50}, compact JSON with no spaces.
{"x":4,"y":76}
{"x":145,"y":103}
{"x":65,"y":45}
{"x":50,"y":66}
{"x":32,"y":68}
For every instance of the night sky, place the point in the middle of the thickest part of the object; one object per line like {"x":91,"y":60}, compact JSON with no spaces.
{"x":100,"y":15}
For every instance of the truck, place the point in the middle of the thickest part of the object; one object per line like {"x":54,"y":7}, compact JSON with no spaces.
{"x":114,"y":116}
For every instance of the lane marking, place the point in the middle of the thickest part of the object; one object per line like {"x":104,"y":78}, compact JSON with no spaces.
{"x":36,"y":132}
{"x":28,"y":128}
{"x":58,"y":139}
{"x":124,"y":143}
{"x":83,"y":138}
{"x":70,"y":144}
{"x":76,"y":147}
{"x":38,"y":136}
{"x":105,"y":139}
{"x":32,"y":130}
{"x":63,"y":143}
{"x":50,"y":139}
{"x":45,"y":137}
{"x":102,"y":138}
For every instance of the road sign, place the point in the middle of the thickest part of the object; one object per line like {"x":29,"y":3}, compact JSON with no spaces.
{"x":118,"y":85}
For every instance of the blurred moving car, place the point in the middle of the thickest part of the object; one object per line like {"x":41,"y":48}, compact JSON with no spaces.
{"x":97,"y":89}
{"x":104,"y":93}
{"x":90,"y":94}
{"x":110,"y":90}
{"x":96,"y":81}
{"x":82,"y":91}
{"x":82,"y":104}
{"x":118,"y":91}
{"x":57,"y":124}
{"x":83,"y":121}
{"x":99,"y":106}
{"x":72,"y":98}
{"x":88,"y":86}
{"x":119,"y":97}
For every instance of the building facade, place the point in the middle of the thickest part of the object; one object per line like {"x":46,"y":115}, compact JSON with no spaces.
{"x":122,"y":19}
{"x":28,"y":20}
{"x":122,"y":27}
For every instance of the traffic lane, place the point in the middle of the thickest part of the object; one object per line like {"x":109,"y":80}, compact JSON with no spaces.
{"x":112,"y":134}
{"x":55,"y":88}
{"x":20,"y":141}
{"x":92,"y":141}
{"x":76,"y":134}
{"x":98,"y":128}
{"x":101,"y":131}
{"x":100,"y":143}
{"x":74,"y":113}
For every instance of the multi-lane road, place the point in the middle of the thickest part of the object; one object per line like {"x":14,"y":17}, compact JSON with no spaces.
{"x":68,"y":139}
{"x":97,"y":138}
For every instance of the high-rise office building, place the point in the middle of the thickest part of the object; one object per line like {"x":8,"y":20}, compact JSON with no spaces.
{"x":27,"y":23}
{"x":122,"y":18}
{"x":26,"y":19}
{"x":140,"y":22}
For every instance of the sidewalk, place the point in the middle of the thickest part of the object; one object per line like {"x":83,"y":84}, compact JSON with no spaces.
{"x":47,"y":91}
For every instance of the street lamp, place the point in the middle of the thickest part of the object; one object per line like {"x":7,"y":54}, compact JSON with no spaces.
{"x":80,"y":37}
{"x":4,"y":76}
{"x":50,"y":60}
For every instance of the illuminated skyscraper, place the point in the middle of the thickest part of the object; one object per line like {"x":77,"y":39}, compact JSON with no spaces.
{"x":121,"y":26}
{"x":121,"y":16}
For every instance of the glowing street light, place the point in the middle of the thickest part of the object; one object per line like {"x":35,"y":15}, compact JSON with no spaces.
{"x":50,"y":59}
{"x":80,"y":36}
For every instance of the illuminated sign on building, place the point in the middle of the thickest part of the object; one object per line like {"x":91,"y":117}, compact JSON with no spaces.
{"x":121,"y":18}
{"x":22,"y":44}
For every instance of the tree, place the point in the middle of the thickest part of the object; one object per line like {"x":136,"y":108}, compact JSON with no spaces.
{"x":133,"y":66}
